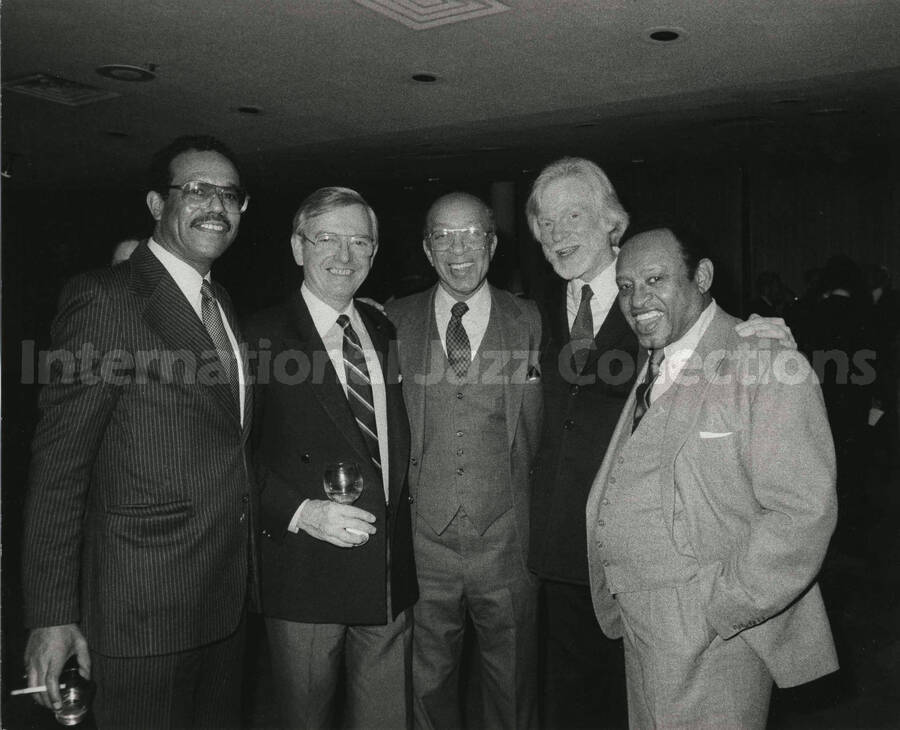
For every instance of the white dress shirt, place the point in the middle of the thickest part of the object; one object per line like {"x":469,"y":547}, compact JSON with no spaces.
{"x":189,"y":281}
{"x":475,"y":320}
{"x":605,"y":294}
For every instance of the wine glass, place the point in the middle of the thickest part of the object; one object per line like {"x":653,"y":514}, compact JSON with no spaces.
{"x":343,"y":482}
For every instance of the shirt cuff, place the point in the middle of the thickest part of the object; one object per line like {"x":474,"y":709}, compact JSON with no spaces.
{"x":294,"y":524}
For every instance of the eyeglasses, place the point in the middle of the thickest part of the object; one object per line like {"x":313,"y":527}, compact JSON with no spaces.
{"x":472,"y":239}
{"x":332,"y":241}
{"x":197,"y":192}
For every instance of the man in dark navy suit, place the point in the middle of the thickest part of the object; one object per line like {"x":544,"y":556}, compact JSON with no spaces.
{"x":137,"y":522}
{"x":338,"y":580}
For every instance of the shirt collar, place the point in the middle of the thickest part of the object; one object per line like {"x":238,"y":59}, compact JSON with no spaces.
{"x":479,"y":303}
{"x":684,"y":346}
{"x":186,"y":276}
{"x":604,"y":281}
{"x":325,"y":316}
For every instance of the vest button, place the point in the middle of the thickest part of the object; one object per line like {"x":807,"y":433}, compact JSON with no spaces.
{"x":605,"y":501}
{"x":460,"y":471}
{"x":612,"y":480}
{"x":459,"y":452}
{"x":621,"y":460}
{"x":459,"y":396}
{"x":305,"y":458}
{"x":601,"y":523}
{"x":413,"y":460}
{"x":459,"y":434}
{"x":569,"y":424}
{"x":599,"y":544}
{"x":605,"y":563}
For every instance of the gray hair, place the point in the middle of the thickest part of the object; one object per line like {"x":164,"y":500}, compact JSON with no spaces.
{"x":605,"y":197}
{"x":325,"y":200}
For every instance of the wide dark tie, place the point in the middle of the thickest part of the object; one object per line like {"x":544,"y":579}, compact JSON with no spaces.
{"x":582,"y":336}
{"x":642,"y":393}
{"x":212,"y":320}
{"x":359,"y":389}
{"x":459,"y":349}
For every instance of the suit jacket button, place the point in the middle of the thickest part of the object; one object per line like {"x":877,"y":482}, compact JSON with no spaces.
{"x":305,"y":458}
{"x":569,"y":424}
{"x":266,"y":533}
{"x":410,"y":499}
{"x":245,"y":499}
{"x":573,"y":390}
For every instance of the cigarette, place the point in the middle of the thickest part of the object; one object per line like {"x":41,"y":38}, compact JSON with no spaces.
{"x":32,"y":690}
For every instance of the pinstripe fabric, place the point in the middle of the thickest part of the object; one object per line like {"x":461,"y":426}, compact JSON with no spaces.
{"x":190,"y":689}
{"x":138,"y":508}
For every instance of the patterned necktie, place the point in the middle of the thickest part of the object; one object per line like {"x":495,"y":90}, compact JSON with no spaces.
{"x":359,"y":389}
{"x":582,"y":336}
{"x":459,"y":350}
{"x":212,"y":320}
{"x":642,"y":393}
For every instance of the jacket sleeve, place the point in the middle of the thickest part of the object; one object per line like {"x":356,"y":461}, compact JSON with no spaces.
{"x":75,"y":408}
{"x":792,"y":475}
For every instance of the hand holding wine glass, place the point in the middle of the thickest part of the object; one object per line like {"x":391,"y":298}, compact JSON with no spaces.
{"x":336,"y":520}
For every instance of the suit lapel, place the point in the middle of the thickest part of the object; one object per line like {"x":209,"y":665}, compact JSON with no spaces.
{"x":418,"y":359}
{"x":175,"y":321}
{"x":513,"y":337}
{"x":330,"y":393}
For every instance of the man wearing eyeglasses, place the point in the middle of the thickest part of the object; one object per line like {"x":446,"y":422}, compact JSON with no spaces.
{"x":468,"y":352}
{"x":337,"y":580}
{"x":137,"y":519}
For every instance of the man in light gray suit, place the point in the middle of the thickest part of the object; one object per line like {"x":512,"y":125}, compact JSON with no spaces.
{"x":468,"y":353}
{"x":711,"y":514}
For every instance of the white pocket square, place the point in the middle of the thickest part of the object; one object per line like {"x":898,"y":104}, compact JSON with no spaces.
{"x":715,"y":434}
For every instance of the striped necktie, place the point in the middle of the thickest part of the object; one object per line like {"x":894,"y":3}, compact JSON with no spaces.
{"x":459,"y":349}
{"x":359,"y":389}
{"x":212,"y":320}
{"x":642,"y":393}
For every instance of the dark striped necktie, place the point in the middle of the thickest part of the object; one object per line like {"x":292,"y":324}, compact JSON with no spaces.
{"x":582,"y":335}
{"x":359,"y":389}
{"x":642,"y":393}
{"x":212,"y":320}
{"x":459,"y":349}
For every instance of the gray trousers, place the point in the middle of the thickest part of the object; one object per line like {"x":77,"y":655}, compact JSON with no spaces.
{"x":680,"y":673}
{"x":483,"y":576}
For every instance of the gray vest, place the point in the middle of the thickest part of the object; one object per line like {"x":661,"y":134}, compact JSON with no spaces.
{"x":633,"y":532}
{"x":465,"y":456}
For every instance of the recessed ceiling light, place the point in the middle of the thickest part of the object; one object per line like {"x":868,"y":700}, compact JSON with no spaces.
{"x":424,"y":78}
{"x":127,"y":72}
{"x":249,"y":109}
{"x":664,"y":35}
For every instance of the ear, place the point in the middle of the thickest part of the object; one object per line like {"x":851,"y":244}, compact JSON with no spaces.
{"x":493,"y":246}
{"x":297,"y":248}
{"x":704,"y":275}
{"x":155,"y":203}
{"x":428,"y":253}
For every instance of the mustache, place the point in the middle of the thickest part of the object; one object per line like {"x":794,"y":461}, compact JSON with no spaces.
{"x":218,"y":217}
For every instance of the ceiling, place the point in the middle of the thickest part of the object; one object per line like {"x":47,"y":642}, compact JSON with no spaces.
{"x":518,"y":82}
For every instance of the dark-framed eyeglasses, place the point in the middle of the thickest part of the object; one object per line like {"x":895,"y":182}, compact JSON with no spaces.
{"x":197,"y":192}
{"x":332,"y":241}
{"x":471,"y":238}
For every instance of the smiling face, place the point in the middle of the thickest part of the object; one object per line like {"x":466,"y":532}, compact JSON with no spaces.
{"x":572,"y":230}
{"x":461,"y":271}
{"x":658,"y":298}
{"x":196,"y":233}
{"x":334,"y":274}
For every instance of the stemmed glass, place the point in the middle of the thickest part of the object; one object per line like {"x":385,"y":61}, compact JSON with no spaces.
{"x":343,"y":483}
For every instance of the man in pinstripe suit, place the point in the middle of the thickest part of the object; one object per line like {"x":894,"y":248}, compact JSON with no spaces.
{"x":137,"y":520}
